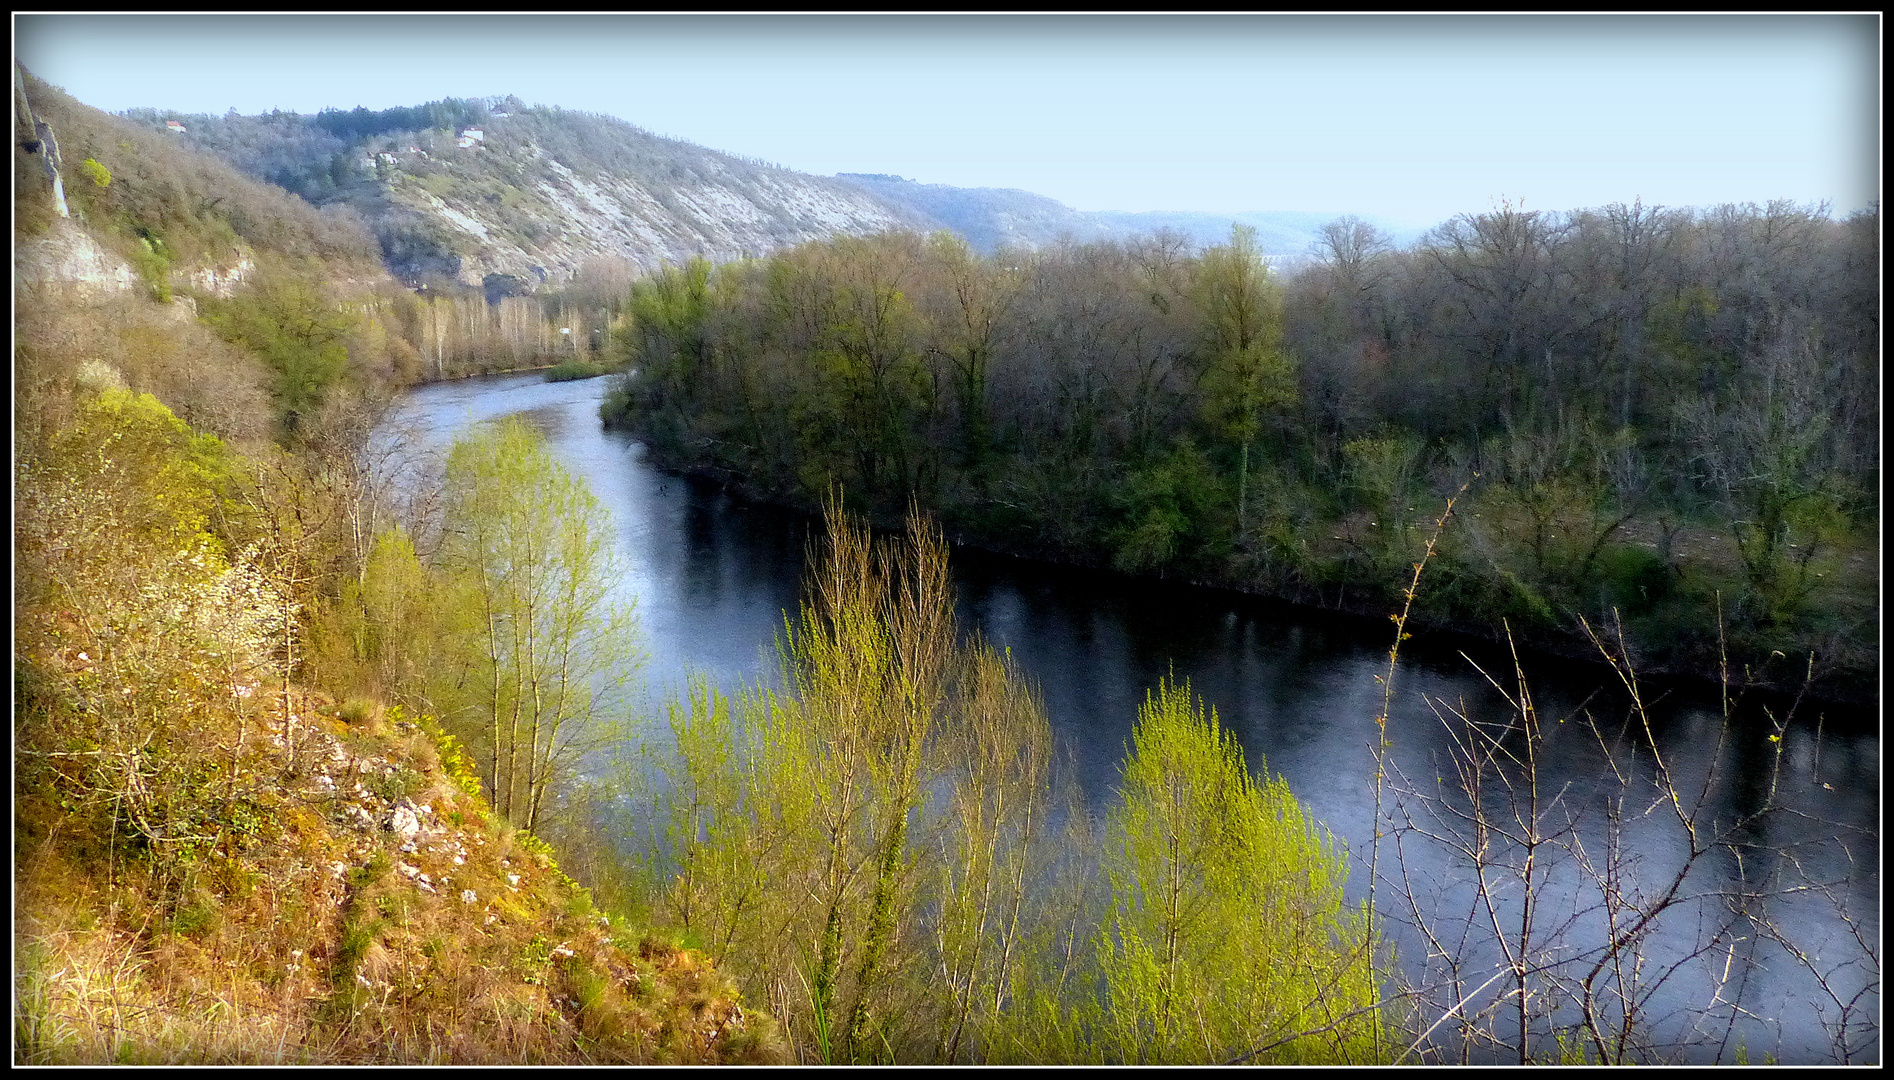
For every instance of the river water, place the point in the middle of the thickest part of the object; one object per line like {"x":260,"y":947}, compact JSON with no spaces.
{"x":712,"y":578}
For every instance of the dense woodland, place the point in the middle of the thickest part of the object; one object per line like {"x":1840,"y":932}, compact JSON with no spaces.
{"x":1666,"y":414}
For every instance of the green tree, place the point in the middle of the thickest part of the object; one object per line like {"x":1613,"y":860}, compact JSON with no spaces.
{"x":287,"y":322}
{"x":669,"y":325}
{"x":1248,"y":376}
{"x":854,"y":847}
{"x":542,"y":650}
{"x":1228,"y":932}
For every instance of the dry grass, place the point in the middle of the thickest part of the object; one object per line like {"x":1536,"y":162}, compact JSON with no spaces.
{"x":333,"y":939}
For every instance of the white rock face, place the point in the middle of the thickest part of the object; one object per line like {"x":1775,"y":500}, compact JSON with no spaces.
{"x":68,"y":256}
{"x":712,"y":212}
{"x":220,"y":280}
{"x":65,"y":255}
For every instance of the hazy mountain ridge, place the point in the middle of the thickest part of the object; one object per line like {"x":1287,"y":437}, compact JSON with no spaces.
{"x":991,"y":218}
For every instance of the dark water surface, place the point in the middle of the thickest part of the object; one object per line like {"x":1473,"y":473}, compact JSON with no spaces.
{"x":712,"y":578}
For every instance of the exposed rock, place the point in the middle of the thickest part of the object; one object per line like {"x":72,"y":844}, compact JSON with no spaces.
{"x":403,"y":822}
{"x":66,"y":256}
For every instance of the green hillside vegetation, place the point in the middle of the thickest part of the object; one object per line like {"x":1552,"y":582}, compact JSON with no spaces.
{"x":234,"y":842}
{"x":215,"y":863}
{"x":164,"y":207}
{"x":879,"y":851}
{"x":1670,"y":414}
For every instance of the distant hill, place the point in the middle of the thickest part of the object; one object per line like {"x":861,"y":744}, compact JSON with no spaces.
{"x":500,"y":194}
{"x":497,"y":194}
{"x":991,"y":218}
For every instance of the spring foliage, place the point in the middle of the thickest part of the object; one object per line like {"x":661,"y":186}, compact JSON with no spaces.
{"x":879,"y":851}
{"x":537,"y":648}
{"x":1227,"y":921}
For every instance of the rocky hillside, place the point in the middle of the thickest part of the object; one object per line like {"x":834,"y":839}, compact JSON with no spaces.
{"x":508,"y":197}
{"x":142,"y":212}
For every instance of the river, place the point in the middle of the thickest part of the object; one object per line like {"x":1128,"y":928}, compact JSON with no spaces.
{"x":712,"y":577}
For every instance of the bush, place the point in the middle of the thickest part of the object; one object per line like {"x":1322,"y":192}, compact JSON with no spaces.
{"x":1228,"y":931}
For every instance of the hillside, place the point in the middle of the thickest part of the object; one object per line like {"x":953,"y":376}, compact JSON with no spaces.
{"x":508,"y":196}
{"x":989,"y":218}
{"x":215,"y":862}
{"x":157,"y":214}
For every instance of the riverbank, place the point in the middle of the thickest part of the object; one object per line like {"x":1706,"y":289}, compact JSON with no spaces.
{"x":1775,"y":676}
{"x":714,"y":573}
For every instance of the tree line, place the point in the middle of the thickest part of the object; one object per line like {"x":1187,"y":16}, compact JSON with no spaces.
{"x":1662,"y":412}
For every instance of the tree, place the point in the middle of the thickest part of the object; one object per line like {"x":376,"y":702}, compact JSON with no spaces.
{"x":1764,"y":456}
{"x":543,"y":647}
{"x":1228,"y":931}
{"x":971,"y":304}
{"x":1248,"y":373}
{"x":295,"y":330}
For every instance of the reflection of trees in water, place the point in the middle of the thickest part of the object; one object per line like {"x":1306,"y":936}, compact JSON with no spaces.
{"x":1654,"y":893}
{"x":1294,"y":688}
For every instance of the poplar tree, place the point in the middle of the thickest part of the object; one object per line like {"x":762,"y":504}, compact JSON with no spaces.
{"x":543,"y":648}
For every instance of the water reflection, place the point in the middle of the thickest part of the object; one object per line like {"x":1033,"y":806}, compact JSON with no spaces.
{"x":712,"y":579}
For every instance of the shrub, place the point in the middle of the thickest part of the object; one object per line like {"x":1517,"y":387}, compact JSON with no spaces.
{"x":1228,"y":931}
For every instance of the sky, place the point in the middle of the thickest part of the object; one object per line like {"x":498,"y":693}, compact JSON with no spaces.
{"x":1409,"y":119}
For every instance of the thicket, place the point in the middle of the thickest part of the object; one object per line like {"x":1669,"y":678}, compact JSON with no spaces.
{"x":1661,"y":407}
{"x":507,"y":631}
{"x":882,"y":851}
{"x":214,"y":865}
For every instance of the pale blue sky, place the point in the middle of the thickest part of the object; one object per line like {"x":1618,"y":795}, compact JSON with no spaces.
{"x":1412,"y":119}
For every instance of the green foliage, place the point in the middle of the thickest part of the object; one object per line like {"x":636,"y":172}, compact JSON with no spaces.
{"x":1604,"y":372}
{"x":152,"y":260}
{"x":868,"y":828}
{"x":535,"y":649}
{"x":455,"y":762}
{"x":874,"y":839}
{"x":133,"y":608}
{"x":1173,"y":510}
{"x":95,"y":172}
{"x":1635,"y":579}
{"x":1228,"y":931}
{"x":160,"y":184}
{"x":669,"y":310}
{"x":297,"y":331}
{"x":578,"y":369}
